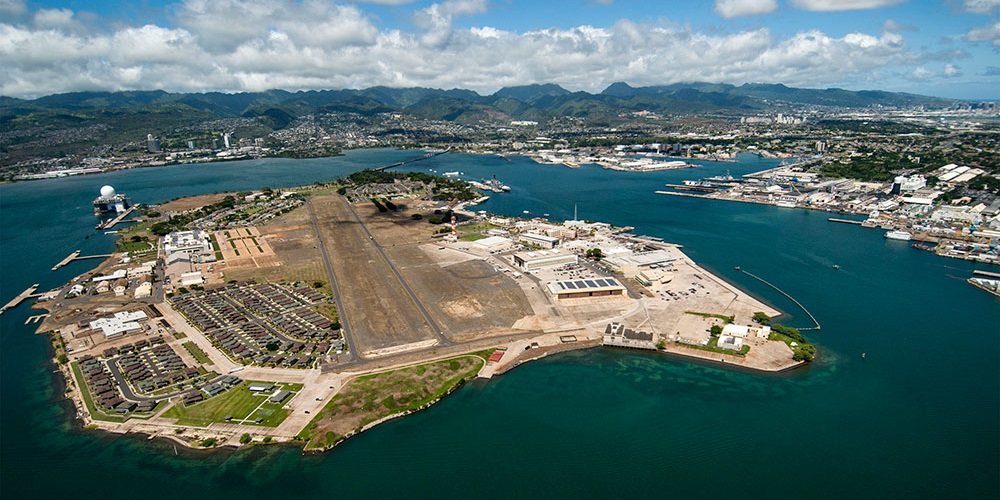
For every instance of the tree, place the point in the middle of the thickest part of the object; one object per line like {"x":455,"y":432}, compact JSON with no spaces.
{"x":245,"y":438}
{"x":761,"y":317}
{"x":272,"y":345}
{"x":716,"y":330}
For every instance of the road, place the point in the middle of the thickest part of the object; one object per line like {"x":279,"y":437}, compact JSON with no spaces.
{"x":345,"y":324}
{"x":442,"y":340}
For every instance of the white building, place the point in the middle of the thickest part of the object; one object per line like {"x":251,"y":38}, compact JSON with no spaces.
{"x":539,"y":240}
{"x":528,"y":261}
{"x":196,"y":241}
{"x":615,"y":334}
{"x":120,"y":324}
{"x":494,"y":243}
{"x":911,"y":183}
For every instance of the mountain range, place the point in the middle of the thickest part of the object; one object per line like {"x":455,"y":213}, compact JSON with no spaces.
{"x":109,"y":117}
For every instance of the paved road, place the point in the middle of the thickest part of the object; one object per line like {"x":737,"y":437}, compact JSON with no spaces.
{"x":442,"y":340}
{"x":345,"y":325}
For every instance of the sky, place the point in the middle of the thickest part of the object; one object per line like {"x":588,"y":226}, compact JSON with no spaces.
{"x":947,"y":48}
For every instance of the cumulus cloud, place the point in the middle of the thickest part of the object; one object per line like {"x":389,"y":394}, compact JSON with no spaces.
{"x":739,"y":8}
{"x":10,"y":9}
{"x":921,"y":73}
{"x":835,"y":5}
{"x":891,"y":25}
{"x":951,"y":71}
{"x":437,"y":19}
{"x":981,"y":6}
{"x":989,"y":34}
{"x":254,"y":45}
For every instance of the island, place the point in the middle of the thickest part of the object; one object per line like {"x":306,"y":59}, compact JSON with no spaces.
{"x":308,"y":315}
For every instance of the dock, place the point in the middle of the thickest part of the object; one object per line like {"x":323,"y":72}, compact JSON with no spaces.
{"x":844,"y":221}
{"x":986,"y":273}
{"x":21,"y":297}
{"x":674,"y":193}
{"x":69,"y":258}
{"x":108,"y":224}
{"x":76,"y":256}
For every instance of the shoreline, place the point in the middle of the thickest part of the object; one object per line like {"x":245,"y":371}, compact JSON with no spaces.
{"x":153,"y":426}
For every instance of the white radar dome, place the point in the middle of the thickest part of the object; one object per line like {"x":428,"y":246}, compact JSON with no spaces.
{"x":107,"y":191}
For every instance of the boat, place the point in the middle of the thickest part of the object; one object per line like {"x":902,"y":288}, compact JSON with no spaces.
{"x":898,"y":235}
{"x":835,"y":266}
{"x":721,"y":178}
{"x":785,"y":204}
{"x":527,"y":212}
{"x":450,"y":174}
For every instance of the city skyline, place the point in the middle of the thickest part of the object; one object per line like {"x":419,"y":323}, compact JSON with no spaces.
{"x":941,"y":48}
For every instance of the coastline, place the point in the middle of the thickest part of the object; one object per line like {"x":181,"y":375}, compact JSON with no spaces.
{"x":153,"y":427}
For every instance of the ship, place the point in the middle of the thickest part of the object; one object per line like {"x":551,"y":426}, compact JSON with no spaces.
{"x":111,"y":202}
{"x":898,"y":235}
{"x":496,"y":186}
{"x":785,"y":204}
{"x":721,"y":178}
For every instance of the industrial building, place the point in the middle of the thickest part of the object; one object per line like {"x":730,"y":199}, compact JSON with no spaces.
{"x":585,"y":288}
{"x":528,"y":261}
{"x":196,"y":241}
{"x":494,"y":243}
{"x":618,"y":336}
{"x":540,"y":240}
{"x":120,"y":324}
{"x":632,"y":262}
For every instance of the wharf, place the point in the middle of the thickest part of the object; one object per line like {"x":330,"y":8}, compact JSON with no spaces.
{"x":986,"y":273}
{"x":76,"y":256}
{"x":689,"y":195}
{"x":17,"y":300}
{"x":119,"y":218}
{"x":69,"y":258}
{"x":845,"y":221}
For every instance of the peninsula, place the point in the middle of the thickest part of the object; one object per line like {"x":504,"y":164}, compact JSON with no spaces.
{"x":307,"y":315}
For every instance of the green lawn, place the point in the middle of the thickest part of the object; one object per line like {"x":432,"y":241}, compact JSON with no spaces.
{"x":713,"y":346}
{"x":239,"y":403}
{"x":197,"y":352}
{"x":727,"y":319}
{"x":472,"y":237}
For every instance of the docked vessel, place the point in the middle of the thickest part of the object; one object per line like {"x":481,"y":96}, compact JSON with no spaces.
{"x":111,"y":202}
{"x":785,"y":204}
{"x":898,"y":235}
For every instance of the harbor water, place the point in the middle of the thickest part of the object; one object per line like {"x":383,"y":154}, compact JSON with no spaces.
{"x":917,"y":417}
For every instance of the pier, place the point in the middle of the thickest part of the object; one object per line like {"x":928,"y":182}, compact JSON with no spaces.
{"x":986,"y":273}
{"x":76,"y":256}
{"x":118,"y":218}
{"x":844,"y":221}
{"x":21,"y":297}
{"x":674,"y":193}
{"x":762,"y":280}
{"x":401,"y":163}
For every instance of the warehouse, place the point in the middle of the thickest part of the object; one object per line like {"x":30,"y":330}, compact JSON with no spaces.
{"x":584,"y":288}
{"x":528,"y":261}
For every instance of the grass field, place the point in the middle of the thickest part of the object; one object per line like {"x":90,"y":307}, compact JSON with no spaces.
{"x":372,"y":397}
{"x":239,"y":403}
{"x":197,"y":353}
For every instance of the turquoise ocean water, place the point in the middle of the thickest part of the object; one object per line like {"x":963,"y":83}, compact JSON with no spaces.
{"x":918,"y":418}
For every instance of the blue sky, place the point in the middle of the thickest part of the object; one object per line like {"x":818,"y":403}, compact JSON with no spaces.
{"x":947,"y":48}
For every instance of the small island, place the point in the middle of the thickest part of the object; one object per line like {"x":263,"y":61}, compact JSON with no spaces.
{"x":308,"y":315}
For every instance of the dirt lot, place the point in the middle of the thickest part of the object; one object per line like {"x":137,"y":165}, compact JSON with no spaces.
{"x":379,"y":310}
{"x":469,"y":299}
{"x":192,"y":202}
{"x":293,"y":242}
